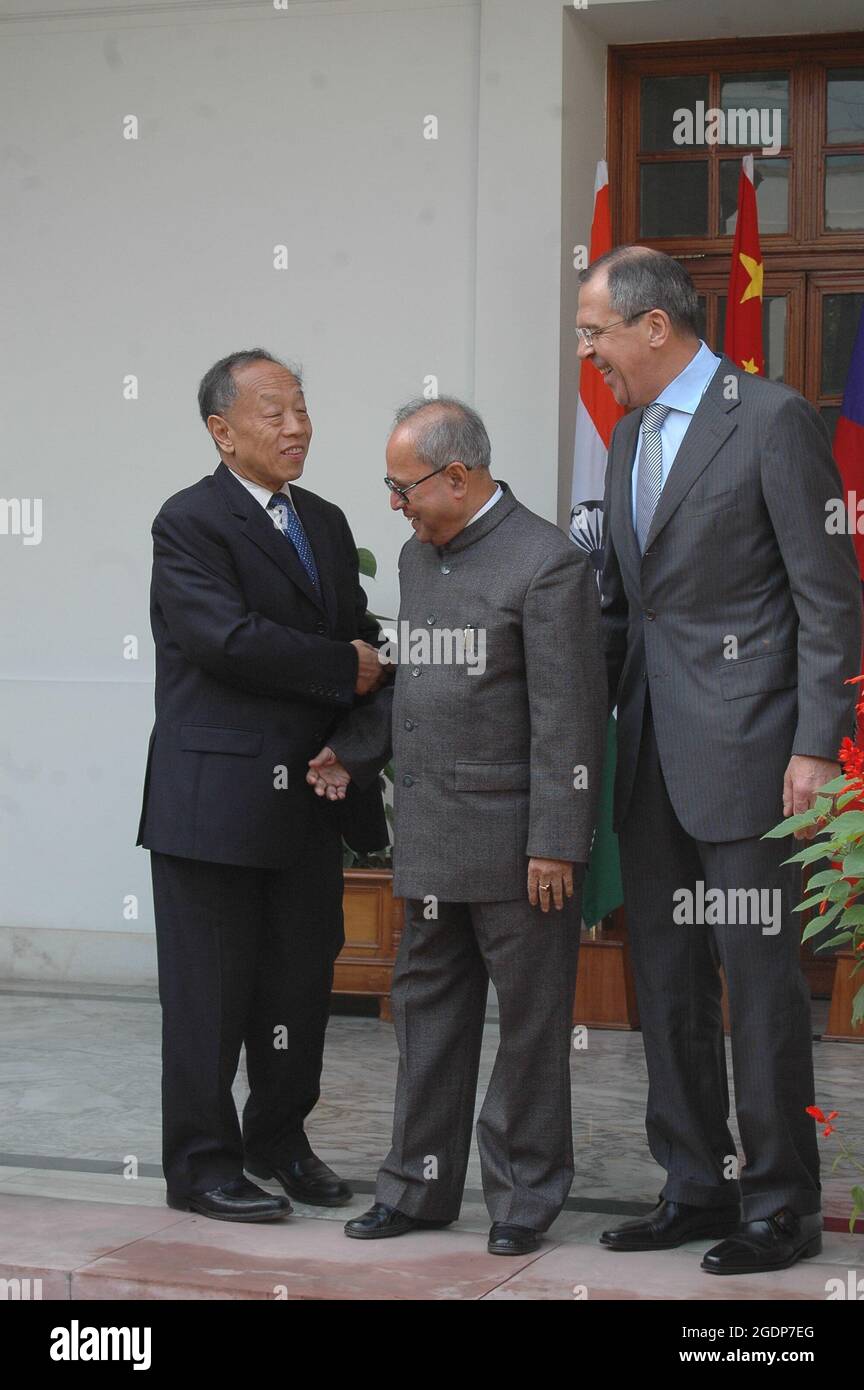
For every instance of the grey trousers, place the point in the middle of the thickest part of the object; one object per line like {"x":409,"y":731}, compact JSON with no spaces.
{"x":524,"y":1136}
{"x":675,"y":965}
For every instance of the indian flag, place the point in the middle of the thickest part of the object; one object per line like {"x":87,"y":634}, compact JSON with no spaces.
{"x":597,"y":413}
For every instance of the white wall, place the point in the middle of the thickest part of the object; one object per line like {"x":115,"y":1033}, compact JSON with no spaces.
{"x":155,"y":257}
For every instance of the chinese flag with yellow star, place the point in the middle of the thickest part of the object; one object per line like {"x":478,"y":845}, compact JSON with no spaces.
{"x":743,"y":337}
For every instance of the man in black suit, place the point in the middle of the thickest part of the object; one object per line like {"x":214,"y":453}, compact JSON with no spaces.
{"x":263,"y":643}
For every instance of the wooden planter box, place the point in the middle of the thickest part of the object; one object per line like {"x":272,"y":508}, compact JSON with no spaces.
{"x":373,"y":930}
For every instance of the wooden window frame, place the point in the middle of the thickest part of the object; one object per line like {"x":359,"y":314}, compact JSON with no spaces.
{"x":805,"y":57}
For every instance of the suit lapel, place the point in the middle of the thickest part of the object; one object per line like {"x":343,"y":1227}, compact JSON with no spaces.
{"x":259,"y":528}
{"x":710,"y":427}
{"x":625,"y":448}
{"x":322,"y":541}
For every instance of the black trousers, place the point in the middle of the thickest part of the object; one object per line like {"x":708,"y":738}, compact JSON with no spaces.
{"x":675,"y":964}
{"x":245,"y":956}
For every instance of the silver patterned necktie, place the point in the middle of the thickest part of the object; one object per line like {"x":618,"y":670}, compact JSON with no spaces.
{"x":649,"y":481}
{"x":286,"y":520}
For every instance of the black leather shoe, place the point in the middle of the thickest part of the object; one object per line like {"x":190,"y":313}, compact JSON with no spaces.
{"x":775,"y":1242}
{"x":512,"y":1240}
{"x":307,"y":1179}
{"x":380,"y":1221}
{"x":237,"y":1200}
{"x":671,"y":1224}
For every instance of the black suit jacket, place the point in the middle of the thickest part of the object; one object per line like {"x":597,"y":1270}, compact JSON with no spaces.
{"x":254,"y":669}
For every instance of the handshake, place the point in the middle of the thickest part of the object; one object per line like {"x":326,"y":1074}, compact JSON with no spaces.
{"x":371,"y":670}
{"x":326,"y":774}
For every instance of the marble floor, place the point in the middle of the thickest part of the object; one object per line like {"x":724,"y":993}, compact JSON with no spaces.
{"x":79,"y":1108}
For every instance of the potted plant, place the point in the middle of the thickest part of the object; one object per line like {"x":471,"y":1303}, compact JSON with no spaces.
{"x":834,"y":897}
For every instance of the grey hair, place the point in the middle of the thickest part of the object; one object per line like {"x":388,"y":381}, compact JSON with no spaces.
{"x":453,"y":432}
{"x":640,"y":278}
{"x":218,"y":389}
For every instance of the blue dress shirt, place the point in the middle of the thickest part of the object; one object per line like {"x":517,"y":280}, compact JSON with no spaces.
{"x":682,"y":395}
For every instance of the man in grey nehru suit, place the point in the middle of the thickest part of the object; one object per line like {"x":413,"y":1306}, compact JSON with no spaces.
{"x":497,"y":764}
{"x":731,"y":620}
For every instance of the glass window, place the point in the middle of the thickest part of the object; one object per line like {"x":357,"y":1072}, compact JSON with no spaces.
{"x":830,"y":414}
{"x":763,"y":97}
{"x":661,"y":98}
{"x":840,"y":316}
{"x":771,"y":178}
{"x":774,"y":309}
{"x":674,"y":199}
{"x":844,"y":192}
{"x":845,"y":123}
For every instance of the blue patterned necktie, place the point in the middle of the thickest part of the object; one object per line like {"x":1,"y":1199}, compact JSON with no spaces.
{"x":286,"y":520}
{"x":649,"y":482}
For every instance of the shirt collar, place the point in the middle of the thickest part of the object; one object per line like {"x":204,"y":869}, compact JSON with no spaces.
{"x":686,"y":390}
{"x":261,"y":494}
{"x":487,"y":505}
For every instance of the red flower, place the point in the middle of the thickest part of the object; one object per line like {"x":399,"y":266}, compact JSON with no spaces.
{"x":823,"y":1119}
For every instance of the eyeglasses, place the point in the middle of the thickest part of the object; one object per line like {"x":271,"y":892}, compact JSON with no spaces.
{"x":587,"y":335}
{"x":403,"y":491}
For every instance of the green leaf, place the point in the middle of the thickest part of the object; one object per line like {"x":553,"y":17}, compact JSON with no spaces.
{"x":850,"y":823}
{"x":368,"y":563}
{"x":823,"y":878}
{"x":853,"y":916}
{"x":800,"y":822}
{"x":853,"y":862}
{"x":847,"y":797}
{"x":816,"y":900}
{"x":820,"y":923}
{"x":834,"y":942}
{"x":858,"y":1007}
{"x":837,"y":784}
{"x":810,"y":854}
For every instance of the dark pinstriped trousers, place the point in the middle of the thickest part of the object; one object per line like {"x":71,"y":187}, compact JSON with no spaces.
{"x":679,"y":993}
{"x":524,"y":1132}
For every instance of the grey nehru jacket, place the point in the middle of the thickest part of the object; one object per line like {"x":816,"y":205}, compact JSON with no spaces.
{"x":485,"y":763}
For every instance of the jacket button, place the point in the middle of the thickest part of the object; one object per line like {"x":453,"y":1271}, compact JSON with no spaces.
{"x":415,"y":670}
{"x":407,"y":781}
{"x":430,"y":620}
{"x":650,"y":614}
{"x":409,"y":724}
{"x":445,"y":569}
{"x":320,"y":627}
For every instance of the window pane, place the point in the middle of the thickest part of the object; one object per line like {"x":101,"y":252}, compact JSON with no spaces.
{"x":844,"y":192}
{"x":674,"y":199}
{"x":845,"y":106}
{"x":703,"y":309}
{"x":830,"y":414}
{"x":764,"y":93}
{"x":771,"y":177}
{"x":840,"y":315}
{"x":661,"y":97}
{"x":774,"y":307}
